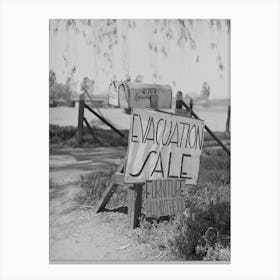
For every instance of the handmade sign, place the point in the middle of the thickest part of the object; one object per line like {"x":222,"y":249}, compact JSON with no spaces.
{"x":164,"y":197}
{"x":129,"y":94}
{"x":163,"y":145}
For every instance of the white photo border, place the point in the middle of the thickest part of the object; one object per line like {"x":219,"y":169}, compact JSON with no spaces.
{"x":255,"y":142}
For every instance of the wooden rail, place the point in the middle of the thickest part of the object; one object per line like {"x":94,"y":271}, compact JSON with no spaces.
{"x":82,"y":120}
{"x":105,"y":121}
{"x":179,"y":103}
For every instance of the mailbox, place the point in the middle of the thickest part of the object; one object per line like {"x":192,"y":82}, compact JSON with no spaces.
{"x":113,"y":93}
{"x":133,"y":94}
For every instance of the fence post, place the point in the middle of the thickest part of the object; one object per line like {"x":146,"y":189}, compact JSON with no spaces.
{"x":80,"y":119}
{"x":208,"y":130}
{"x":191,"y":106}
{"x":228,"y":121}
{"x":179,"y":110}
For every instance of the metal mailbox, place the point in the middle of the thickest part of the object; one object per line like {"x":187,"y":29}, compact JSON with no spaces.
{"x":134,"y":94}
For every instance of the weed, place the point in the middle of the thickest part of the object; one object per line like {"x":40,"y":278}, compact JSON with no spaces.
{"x":93,"y":186}
{"x":66,"y":136}
{"x":191,"y":229}
{"x":202,"y":232}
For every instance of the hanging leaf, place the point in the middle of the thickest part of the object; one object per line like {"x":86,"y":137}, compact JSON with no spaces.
{"x":190,"y":21}
{"x":228,"y":25}
{"x":213,"y":45}
{"x":219,"y":24}
{"x":164,"y":51}
{"x":192,"y":44}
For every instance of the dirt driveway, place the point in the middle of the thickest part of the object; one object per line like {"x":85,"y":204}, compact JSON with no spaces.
{"x":76,"y":233}
{"x":68,"y":164}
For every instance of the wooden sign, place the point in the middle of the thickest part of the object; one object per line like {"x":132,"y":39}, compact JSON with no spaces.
{"x":163,"y":146}
{"x":128,"y":95}
{"x":164,"y":197}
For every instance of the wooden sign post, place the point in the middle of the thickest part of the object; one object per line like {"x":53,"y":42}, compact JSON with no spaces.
{"x":134,"y":205}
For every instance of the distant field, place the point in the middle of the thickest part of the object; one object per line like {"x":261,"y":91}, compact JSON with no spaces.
{"x":214,"y":117}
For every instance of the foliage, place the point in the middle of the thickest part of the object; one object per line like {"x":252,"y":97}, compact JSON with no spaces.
{"x":87,"y":85}
{"x":107,"y":29}
{"x":208,"y":206}
{"x":93,"y":186}
{"x":52,"y":78}
{"x":104,"y":34}
{"x":66,"y":136}
{"x":60,"y":90}
{"x":191,"y":230}
{"x":217,"y":252}
{"x":153,"y":239}
{"x":59,"y":135}
{"x":202,"y":232}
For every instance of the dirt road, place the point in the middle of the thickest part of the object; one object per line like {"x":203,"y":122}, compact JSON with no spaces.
{"x":68,"y":164}
{"x":76,"y":232}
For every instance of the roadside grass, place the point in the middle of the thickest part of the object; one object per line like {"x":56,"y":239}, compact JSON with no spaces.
{"x":202,"y":232}
{"x":94,"y":185}
{"x":65,"y":136}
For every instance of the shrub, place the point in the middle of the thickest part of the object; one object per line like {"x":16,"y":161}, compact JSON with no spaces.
{"x":190,"y":231}
{"x":152,"y":239}
{"x":93,"y":186}
{"x":201,"y":233}
{"x":217,"y":253}
{"x":66,"y":135}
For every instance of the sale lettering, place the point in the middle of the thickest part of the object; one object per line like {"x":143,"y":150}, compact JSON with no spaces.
{"x":163,"y":145}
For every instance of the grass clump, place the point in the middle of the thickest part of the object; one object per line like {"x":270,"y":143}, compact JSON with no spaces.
{"x":66,"y":136}
{"x":153,"y":239}
{"x":93,"y":186}
{"x":217,"y":252}
{"x":202,"y":232}
{"x":201,"y":229}
{"x":207,"y":207}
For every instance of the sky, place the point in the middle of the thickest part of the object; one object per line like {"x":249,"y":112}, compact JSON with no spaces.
{"x":183,"y":68}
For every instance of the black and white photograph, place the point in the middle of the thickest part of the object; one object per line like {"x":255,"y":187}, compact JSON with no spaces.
{"x":152,"y":149}
{"x":139,"y":140}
